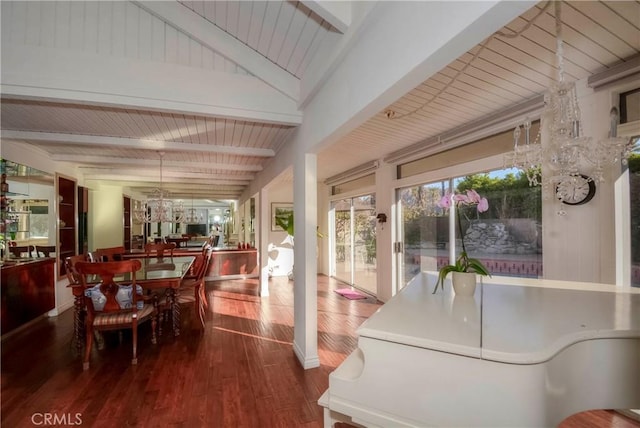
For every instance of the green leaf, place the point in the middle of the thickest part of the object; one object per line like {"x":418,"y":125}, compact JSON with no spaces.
{"x":285,"y":222}
{"x":443,"y":274}
{"x":478,"y":267}
{"x":464,"y":263}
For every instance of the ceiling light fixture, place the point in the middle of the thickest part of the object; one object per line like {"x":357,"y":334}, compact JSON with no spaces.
{"x":567,"y":154}
{"x":158,"y":209}
{"x":192,"y":217}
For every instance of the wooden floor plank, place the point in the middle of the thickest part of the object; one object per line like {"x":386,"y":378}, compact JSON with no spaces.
{"x":239,"y":372}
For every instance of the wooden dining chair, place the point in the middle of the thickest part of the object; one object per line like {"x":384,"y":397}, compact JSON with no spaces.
{"x":70,"y":267}
{"x":113,"y":305}
{"x":159,"y":250}
{"x":192,"y":290}
{"x":45,"y":250}
{"x":194,"y":269}
{"x":19,"y":250}
{"x":79,"y":308}
{"x":110,"y":254}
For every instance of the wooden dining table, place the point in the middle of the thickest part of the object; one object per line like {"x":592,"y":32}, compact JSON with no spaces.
{"x":180,"y":242}
{"x":156,"y":273}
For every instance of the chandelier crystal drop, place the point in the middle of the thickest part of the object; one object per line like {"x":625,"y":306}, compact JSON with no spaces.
{"x":192,"y":216}
{"x":157,"y":208}
{"x":528,"y":156}
{"x":568,"y":152}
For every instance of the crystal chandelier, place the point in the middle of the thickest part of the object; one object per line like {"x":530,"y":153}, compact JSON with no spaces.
{"x":192,"y":217}
{"x":158,"y":209}
{"x":567,"y":152}
{"x":528,"y":156}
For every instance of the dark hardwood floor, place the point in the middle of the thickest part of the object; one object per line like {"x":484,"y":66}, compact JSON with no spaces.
{"x":239,"y":372}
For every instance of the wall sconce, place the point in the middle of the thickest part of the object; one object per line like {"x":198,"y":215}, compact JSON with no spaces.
{"x":382,"y":218}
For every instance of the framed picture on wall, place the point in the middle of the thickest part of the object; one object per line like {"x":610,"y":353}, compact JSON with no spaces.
{"x":282,"y":210}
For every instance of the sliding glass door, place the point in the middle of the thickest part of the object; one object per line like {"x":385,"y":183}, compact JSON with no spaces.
{"x":355,"y":242}
{"x":342,"y":240}
{"x":424,"y":229}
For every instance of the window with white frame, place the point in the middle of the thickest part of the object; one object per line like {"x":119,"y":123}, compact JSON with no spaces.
{"x":634,"y":214}
{"x":629,"y":124}
{"x":507,"y":238}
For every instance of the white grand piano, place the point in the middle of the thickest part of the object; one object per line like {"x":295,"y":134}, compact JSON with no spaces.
{"x":525,"y":353}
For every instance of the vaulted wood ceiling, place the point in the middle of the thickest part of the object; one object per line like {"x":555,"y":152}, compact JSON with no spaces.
{"x":213,"y":154}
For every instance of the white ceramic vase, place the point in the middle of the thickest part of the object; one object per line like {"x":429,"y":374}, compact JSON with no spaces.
{"x":464,"y":283}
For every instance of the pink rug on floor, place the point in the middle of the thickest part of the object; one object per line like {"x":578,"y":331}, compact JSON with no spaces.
{"x":350,"y":294}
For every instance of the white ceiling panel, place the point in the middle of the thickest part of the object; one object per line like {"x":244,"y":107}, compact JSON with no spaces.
{"x":504,"y":72}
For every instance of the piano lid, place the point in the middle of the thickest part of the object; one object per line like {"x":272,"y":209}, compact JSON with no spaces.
{"x":527,"y":325}
{"x":440,"y":321}
{"x":510,"y":322}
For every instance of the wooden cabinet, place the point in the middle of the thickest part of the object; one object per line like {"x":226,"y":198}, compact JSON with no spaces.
{"x":28,"y":291}
{"x":231,"y":263}
{"x":4,"y":203}
{"x":83,"y":220}
{"x":67,"y":220}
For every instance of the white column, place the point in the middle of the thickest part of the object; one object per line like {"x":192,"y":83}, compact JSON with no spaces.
{"x":264,"y":223}
{"x":305,"y":298}
{"x":385,"y":233}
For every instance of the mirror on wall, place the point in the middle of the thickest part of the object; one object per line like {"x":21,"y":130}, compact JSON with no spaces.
{"x":204,"y":218}
{"x":27,"y":211}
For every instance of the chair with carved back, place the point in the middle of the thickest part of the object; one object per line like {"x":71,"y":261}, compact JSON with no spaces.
{"x":45,"y":250}
{"x":79,"y":312}
{"x":114,"y":305}
{"x":160,"y":250}
{"x":70,"y":268}
{"x":192,"y":289}
{"x":20,"y":250}
{"x":195,"y":266}
{"x":110,"y":254}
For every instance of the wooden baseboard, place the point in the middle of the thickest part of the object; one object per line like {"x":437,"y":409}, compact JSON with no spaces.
{"x":23,"y":327}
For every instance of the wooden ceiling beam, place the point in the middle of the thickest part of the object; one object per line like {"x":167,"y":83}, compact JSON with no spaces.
{"x":114,"y":162}
{"x":203,"y":31}
{"x":134,"y":143}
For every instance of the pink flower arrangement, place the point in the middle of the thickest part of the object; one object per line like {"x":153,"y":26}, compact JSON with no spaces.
{"x":470,"y":198}
{"x":464,"y":263}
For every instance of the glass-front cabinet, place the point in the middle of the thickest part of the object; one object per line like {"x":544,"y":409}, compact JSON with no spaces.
{"x":27,"y":243}
{"x":67,"y":220}
{"x":27,"y":198}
